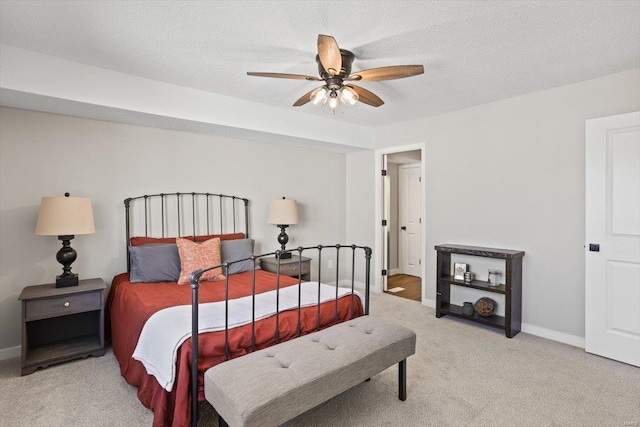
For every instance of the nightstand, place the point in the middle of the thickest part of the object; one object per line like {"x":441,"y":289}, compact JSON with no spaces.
{"x":61,"y":324}
{"x":288,"y":267}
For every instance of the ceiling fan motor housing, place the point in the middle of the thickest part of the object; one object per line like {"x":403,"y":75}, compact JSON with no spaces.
{"x":345,"y":70}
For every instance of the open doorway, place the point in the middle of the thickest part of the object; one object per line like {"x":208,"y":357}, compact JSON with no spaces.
{"x":401,"y":211}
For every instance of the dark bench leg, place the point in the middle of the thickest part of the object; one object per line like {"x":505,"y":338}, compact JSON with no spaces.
{"x":222,"y":422}
{"x":402,"y":380}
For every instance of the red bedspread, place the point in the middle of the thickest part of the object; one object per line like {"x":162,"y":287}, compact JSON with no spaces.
{"x":130,"y":305}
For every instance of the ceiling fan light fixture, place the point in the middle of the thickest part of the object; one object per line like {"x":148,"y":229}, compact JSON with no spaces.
{"x":320,"y":95}
{"x":333,"y":100}
{"x":334,"y":68}
{"x":348,"y":96}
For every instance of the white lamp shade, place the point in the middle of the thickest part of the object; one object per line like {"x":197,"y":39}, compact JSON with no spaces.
{"x":283,"y":212}
{"x":65,"y":216}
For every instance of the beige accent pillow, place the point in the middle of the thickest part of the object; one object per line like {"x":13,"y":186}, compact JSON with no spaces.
{"x":196,"y":256}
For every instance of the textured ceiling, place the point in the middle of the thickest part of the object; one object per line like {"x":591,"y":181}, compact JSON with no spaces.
{"x":473,"y":52}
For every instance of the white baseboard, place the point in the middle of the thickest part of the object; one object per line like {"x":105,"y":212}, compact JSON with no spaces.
{"x":550,"y":334}
{"x":10,"y":353}
{"x":538,"y":331}
{"x":394,"y":271}
{"x":574,"y":340}
{"x":429,"y":303}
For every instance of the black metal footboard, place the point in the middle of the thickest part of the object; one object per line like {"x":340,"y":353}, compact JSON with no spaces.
{"x":195,"y":285}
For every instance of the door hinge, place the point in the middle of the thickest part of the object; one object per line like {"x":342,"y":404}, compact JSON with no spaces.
{"x":384,"y":172}
{"x":419,"y":262}
{"x":419,"y":179}
{"x":384,"y":272}
{"x":384,"y":222}
{"x":419,"y":220}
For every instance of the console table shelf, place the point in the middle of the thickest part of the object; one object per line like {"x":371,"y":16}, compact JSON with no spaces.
{"x":456,"y":310}
{"x":477,"y":284}
{"x":512,"y":289}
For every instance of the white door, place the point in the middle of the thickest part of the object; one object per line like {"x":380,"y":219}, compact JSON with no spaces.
{"x":410,"y":200}
{"x":612,"y":260}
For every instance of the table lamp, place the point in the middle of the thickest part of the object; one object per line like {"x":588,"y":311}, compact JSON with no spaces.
{"x":65,"y":217}
{"x":283,"y":213}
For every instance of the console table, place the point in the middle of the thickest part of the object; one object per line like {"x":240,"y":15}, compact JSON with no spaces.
{"x":512,"y":289}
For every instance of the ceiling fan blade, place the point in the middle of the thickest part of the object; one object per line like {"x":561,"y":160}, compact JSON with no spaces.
{"x":366,"y":96}
{"x":387,"y":73}
{"x":285,"y":76}
{"x":329,"y":54}
{"x":304,"y":98}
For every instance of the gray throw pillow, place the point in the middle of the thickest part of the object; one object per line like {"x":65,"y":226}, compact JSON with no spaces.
{"x":234,"y":250}
{"x":154,"y":263}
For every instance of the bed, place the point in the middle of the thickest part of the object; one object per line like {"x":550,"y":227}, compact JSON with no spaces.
{"x":134,"y":304}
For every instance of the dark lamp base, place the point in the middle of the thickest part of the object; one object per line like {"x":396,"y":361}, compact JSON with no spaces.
{"x":66,"y":281}
{"x":283,"y":239}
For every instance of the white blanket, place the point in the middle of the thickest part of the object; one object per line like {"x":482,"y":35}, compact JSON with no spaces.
{"x":167,"y":329}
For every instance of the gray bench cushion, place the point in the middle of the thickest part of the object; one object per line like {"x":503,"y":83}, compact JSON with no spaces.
{"x":276,"y":384}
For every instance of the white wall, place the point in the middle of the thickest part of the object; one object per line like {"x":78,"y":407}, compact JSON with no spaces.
{"x":46,"y":155}
{"x":360,"y":216}
{"x":519,"y":163}
{"x":510,"y":174}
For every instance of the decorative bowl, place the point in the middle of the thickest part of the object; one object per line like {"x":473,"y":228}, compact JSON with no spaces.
{"x":485,"y":306}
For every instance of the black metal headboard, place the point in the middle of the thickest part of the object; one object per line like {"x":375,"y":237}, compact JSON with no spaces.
{"x":184,"y":214}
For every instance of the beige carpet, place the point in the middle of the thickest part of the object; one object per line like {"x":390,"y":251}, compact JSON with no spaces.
{"x":463,"y":374}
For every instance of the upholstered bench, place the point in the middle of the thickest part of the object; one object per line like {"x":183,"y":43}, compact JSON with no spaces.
{"x":273,"y":385}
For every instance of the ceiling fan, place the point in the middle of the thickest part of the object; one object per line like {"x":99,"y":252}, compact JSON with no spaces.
{"x":334,"y":67}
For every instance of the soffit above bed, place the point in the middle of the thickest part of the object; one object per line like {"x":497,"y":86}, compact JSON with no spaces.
{"x":473,"y":53}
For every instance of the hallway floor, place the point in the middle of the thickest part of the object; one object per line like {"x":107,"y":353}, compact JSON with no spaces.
{"x":412,"y":286}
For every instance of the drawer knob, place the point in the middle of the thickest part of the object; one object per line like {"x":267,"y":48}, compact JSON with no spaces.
{"x":66,"y":304}
{"x":294,"y":268}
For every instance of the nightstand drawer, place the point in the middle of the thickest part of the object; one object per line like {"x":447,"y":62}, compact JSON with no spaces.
{"x":288,"y":266}
{"x":292,"y":269}
{"x":62,"y":305}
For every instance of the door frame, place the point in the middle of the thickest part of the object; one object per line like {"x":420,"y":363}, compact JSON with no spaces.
{"x":379,"y":209}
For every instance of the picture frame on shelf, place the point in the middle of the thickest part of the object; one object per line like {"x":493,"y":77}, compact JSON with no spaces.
{"x":459,"y":269}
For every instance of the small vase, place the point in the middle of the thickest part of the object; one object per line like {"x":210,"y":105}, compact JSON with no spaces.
{"x":467,"y":309}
